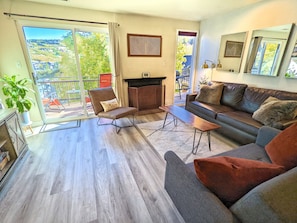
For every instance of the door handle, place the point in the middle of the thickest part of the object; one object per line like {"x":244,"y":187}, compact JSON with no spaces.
{"x":34,"y":78}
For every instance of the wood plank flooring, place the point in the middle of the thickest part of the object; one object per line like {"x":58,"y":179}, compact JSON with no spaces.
{"x":86,"y":175}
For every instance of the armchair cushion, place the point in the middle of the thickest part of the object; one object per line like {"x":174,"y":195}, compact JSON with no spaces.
{"x":118,"y":112}
{"x":100,"y":94}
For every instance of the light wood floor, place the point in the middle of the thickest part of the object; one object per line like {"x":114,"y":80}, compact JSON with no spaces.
{"x":89,"y":174}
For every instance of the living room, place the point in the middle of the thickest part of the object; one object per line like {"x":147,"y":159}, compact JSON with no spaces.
{"x":145,"y":207}
{"x":210,"y":31}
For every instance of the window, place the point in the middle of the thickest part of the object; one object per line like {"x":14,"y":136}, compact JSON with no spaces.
{"x":266,"y":58}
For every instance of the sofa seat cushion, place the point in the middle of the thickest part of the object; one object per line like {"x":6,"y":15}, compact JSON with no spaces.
{"x":230,"y":178}
{"x":273,"y":201}
{"x":240,"y":120}
{"x":255,"y":152}
{"x":210,"y":110}
{"x":282,"y":149}
{"x":188,"y":193}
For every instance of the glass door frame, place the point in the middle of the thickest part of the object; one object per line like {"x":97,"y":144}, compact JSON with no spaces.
{"x":74,"y":28}
{"x":193,"y":59}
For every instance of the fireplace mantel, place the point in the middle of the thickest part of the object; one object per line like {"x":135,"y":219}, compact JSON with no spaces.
{"x":140,"y":82}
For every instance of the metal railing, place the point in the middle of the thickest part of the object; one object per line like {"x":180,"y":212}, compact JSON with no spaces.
{"x":65,"y":90}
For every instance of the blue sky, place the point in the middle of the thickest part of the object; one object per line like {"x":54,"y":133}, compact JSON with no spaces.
{"x":44,"y":33}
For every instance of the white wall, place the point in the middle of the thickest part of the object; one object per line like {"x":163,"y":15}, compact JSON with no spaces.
{"x":261,"y":15}
{"x":157,"y":66}
{"x":132,"y":67}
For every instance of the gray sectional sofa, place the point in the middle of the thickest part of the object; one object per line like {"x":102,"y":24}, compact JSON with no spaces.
{"x":273,"y":201}
{"x":234,"y":112}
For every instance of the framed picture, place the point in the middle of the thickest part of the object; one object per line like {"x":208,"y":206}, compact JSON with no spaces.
{"x":233,"y":49}
{"x":144,"y":45}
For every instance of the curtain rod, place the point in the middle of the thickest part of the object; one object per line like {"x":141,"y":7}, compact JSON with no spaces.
{"x":52,"y":18}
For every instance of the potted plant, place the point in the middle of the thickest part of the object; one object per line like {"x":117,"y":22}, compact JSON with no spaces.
{"x":16,"y":93}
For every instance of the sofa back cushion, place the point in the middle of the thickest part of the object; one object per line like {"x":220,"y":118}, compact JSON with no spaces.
{"x":253,"y":97}
{"x":232,"y":94}
{"x":282,"y":149}
{"x":286,"y":95}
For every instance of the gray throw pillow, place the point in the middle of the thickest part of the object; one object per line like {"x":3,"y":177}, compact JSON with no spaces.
{"x":210,"y":94}
{"x":273,"y":110}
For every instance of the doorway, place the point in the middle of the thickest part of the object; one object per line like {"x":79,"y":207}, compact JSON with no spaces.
{"x":184,"y":65}
{"x":66,"y":63}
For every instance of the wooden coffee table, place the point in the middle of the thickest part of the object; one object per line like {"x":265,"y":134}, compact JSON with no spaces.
{"x":189,"y":118}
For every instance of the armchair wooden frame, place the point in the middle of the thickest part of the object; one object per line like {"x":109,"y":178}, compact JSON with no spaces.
{"x":103,"y":94}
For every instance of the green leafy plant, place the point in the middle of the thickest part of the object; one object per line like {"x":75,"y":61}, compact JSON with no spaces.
{"x":16,"y":93}
{"x":181,"y":52}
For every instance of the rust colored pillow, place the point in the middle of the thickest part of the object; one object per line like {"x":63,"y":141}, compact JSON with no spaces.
{"x":282,"y":149}
{"x":230,"y":178}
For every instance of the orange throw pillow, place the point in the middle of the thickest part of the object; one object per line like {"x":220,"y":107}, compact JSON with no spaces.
{"x":282,"y":149}
{"x":230,"y":178}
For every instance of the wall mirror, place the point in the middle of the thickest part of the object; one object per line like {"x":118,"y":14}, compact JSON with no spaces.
{"x":231,"y":51}
{"x":292,"y":68}
{"x":266,"y":50}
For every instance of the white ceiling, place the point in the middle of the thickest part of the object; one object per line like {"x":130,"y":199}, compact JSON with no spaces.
{"x":194,"y":10}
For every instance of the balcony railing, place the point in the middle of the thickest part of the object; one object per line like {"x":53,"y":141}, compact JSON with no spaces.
{"x":66,"y":96}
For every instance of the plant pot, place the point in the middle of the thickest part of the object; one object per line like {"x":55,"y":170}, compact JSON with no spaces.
{"x":25,"y":118}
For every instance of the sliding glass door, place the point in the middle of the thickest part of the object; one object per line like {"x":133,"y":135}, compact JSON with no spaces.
{"x":66,"y":63}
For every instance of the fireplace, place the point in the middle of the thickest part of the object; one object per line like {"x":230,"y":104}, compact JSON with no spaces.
{"x":146,"y":93}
